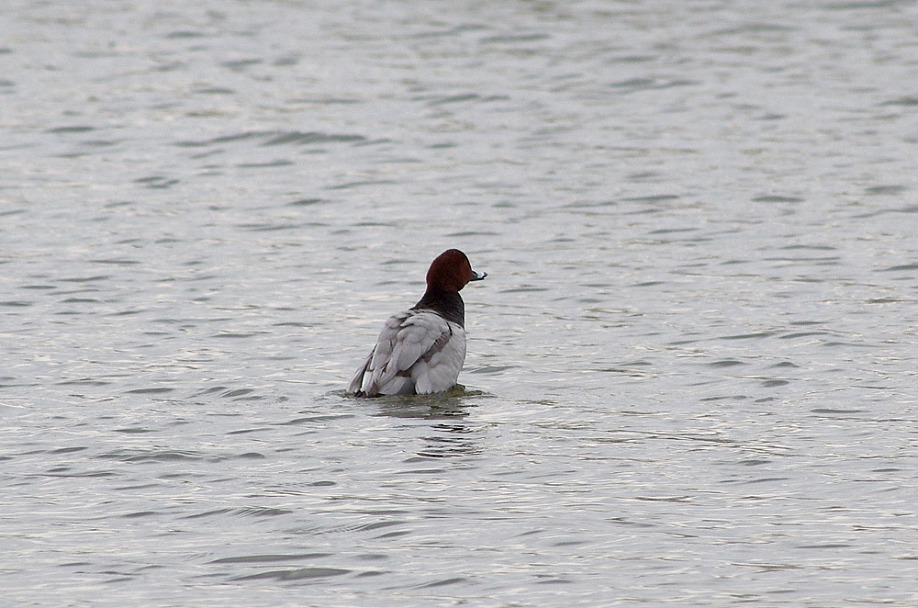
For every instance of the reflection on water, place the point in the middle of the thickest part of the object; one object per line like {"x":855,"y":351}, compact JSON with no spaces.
{"x":450,"y":438}
{"x":449,"y":404}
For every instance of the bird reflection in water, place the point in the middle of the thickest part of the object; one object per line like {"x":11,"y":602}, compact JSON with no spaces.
{"x":452,"y":437}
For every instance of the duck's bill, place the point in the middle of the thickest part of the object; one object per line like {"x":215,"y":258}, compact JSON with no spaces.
{"x":477,"y":276}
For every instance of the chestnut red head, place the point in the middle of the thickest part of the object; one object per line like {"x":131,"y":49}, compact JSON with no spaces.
{"x":451,"y":271}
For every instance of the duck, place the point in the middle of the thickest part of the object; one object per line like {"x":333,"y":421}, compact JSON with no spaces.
{"x":421,"y":350}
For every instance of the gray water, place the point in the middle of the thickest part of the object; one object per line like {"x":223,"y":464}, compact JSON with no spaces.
{"x":691,"y":376}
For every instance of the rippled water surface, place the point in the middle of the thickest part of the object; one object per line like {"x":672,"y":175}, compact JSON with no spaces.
{"x":691,"y":376}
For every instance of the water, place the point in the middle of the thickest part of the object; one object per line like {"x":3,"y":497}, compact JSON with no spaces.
{"x":691,"y":372}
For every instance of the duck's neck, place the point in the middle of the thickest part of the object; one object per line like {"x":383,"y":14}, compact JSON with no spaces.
{"x":449,"y":305}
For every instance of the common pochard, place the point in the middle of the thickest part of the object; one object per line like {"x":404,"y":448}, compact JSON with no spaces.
{"x":422,"y":349}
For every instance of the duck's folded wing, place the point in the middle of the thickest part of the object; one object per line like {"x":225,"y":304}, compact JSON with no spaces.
{"x":405,"y":339}
{"x":366,"y":380}
{"x":418,"y":334}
